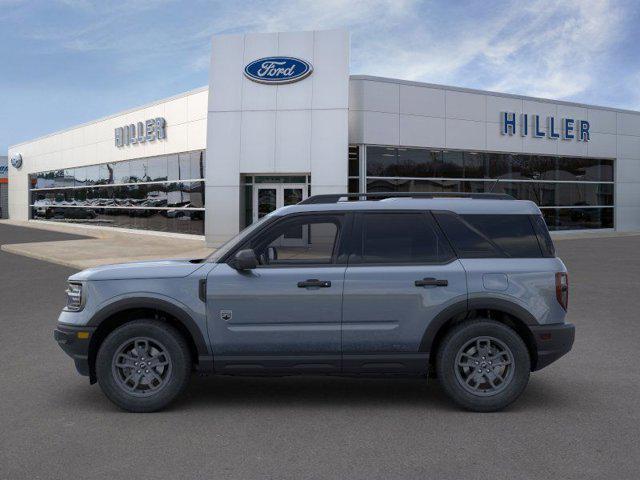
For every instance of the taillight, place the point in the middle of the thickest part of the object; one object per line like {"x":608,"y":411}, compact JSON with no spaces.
{"x":562,"y":289}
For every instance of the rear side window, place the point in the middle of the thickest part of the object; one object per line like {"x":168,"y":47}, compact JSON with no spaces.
{"x":546,"y":244}
{"x":468,"y":241}
{"x":513,"y":234}
{"x":401,"y":238}
{"x":491,"y":236}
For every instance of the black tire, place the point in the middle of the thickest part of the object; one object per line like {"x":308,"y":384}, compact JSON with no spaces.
{"x":169,"y":380}
{"x":452,"y":373}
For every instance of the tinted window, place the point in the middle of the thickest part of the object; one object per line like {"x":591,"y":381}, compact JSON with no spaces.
{"x":513,"y":234}
{"x":402,"y":238}
{"x":544,"y":239}
{"x":298,"y":241}
{"x":468,"y":241}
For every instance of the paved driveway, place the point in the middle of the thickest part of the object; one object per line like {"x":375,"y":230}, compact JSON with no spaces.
{"x":579,"y":418}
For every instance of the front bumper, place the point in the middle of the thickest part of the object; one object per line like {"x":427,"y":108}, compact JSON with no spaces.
{"x":75,"y":343}
{"x":552,"y":342}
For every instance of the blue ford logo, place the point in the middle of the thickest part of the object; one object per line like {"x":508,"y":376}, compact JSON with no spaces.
{"x":16,"y":160}
{"x":278,"y":70}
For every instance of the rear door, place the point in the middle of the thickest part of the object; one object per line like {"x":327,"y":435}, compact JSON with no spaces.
{"x":402,"y":272}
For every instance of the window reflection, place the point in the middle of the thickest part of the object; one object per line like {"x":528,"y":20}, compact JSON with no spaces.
{"x":130,"y":194}
{"x":549,"y":181}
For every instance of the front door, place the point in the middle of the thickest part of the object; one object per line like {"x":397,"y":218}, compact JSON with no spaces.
{"x":402,"y":273}
{"x":284,"y":315}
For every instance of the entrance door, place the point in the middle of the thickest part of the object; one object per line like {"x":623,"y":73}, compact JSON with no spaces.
{"x":268,"y":197}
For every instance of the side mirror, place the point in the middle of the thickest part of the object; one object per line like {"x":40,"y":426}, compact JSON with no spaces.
{"x":245,"y":260}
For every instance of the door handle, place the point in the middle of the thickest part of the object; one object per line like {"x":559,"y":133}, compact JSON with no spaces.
{"x":431,"y":282}
{"x":314,"y":282}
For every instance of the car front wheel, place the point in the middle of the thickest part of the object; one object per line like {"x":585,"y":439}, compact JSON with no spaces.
{"x":143,"y":365}
{"x":483,"y":365}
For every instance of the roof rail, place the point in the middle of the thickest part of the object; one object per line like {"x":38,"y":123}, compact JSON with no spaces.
{"x":337,"y":197}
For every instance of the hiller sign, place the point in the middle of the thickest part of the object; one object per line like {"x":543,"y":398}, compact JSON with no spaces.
{"x":147,"y":131}
{"x":525,"y":124}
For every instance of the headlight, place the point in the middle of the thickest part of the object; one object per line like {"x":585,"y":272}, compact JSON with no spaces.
{"x":74,"y":297}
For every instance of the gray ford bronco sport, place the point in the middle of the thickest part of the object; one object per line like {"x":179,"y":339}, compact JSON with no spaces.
{"x":465,"y":287}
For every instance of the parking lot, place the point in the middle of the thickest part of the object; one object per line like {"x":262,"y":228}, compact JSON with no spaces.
{"x":579,"y":418}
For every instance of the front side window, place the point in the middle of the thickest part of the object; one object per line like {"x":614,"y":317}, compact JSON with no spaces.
{"x":401,"y":238}
{"x":303,"y":240}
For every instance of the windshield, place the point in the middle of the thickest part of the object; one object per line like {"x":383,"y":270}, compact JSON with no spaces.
{"x":231,"y":243}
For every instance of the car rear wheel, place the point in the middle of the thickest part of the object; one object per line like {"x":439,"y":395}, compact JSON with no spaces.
{"x":143,"y":365}
{"x":483,"y":365}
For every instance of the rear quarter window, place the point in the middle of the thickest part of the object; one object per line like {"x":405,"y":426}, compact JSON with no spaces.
{"x":514,"y":234}
{"x":491,"y":236}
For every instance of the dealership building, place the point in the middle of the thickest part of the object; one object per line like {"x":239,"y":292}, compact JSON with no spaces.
{"x":282,"y":118}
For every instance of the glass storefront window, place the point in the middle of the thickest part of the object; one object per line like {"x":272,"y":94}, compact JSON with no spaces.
{"x":573,"y":183}
{"x":130,"y":194}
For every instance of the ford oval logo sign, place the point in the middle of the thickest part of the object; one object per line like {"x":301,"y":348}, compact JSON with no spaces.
{"x":278,"y":70}
{"x":16,"y":160}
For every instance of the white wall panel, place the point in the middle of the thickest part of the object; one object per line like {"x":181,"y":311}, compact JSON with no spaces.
{"x":419,"y":131}
{"x":293,"y":141}
{"x":227,"y":73}
{"x":627,"y":170}
{"x":465,"y":106}
{"x":257,"y":150}
{"x":628,"y":146}
{"x":496,"y":105}
{"x":426,"y":101}
{"x":381,"y":97}
{"x":465,"y":134}
{"x":628,"y":124}
{"x":502,"y":143}
{"x":602,"y":145}
{"x":296,"y":95}
{"x":602,"y":121}
{"x":381,"y":128}
{"x":331,"y":69}
{"x":329,"y":150}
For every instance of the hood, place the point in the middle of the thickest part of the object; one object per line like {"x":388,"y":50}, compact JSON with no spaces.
{"x":139,"y":270}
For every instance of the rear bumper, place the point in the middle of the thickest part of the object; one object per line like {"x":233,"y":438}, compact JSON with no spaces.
{"x":77,"y":348}
{"x":552,"y":342}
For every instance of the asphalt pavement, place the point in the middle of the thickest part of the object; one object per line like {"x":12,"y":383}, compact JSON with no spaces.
{"x":578,"y":418}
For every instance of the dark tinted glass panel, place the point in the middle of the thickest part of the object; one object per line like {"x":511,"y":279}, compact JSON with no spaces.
{"x":120,"y":172}
{"x":92,"y":175}
{"x":513,"y":234}
{"x":173,"y":167}
{"x":80,"y":176}
{"x":381,"y":161}
{"x":156,"y":195}
{"x":532,"y":167}
{"x":354,"y":161}
{"x":498,"y":165}
{"x":544,"y":239}
{"x":585,"y":169}
{"x":157,"y":169}
{"x":197,"y":165}
{"x":451,"y":165}
{"x":184,"y":166}
{"x":105,"y":174}
{"x":468,"y":241}
{"x":138,"y":171}
{"x":354,"y":185}
{"x":578,"y":218}
{"x":475,"y":165}
{"x":402,"y":238}
{"x":380,"y":185}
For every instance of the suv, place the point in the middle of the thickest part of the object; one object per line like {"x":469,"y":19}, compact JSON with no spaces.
{"x":463,"y":287}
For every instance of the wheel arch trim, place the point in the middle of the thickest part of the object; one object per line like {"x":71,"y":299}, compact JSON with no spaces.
{"x":465,"y":306}
{"x":154,"y":303}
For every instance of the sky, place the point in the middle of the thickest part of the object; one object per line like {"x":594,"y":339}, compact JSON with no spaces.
{"x":66,"y":62}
